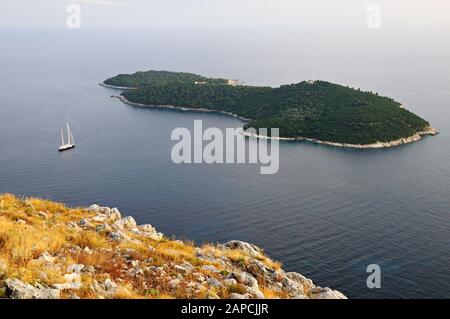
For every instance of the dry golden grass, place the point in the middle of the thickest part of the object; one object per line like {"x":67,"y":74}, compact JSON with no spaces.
{"x":88,"y":239}
{"x":272,"y":294}
{"x":21,"y":242}
{"x":126,"y":293}
{"x":26,"y":233}
{"x":174,"y":251}
{"x":31,"y":226}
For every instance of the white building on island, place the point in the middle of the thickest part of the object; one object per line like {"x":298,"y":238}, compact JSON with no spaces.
{"x":233,"y":82}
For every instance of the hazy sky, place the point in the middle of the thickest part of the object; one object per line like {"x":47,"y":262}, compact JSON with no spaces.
{"x":121,"y":14}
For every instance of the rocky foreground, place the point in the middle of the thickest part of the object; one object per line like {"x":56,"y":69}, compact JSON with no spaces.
{"x":49,"y":251}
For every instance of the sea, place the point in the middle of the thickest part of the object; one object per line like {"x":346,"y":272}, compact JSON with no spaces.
{"x":328,"y":213}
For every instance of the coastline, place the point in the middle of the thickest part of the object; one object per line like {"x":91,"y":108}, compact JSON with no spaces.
{"x":180,"y":108}
{"x":401,"y":141}
{"x":116,"y":87}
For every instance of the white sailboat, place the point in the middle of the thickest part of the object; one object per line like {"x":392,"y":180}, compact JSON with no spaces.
{"x":70,"y":141}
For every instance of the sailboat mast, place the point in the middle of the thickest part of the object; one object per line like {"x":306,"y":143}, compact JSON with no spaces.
{"x":71,"y":138}
{"x":62,"y":138}
{"x":68,"y":134}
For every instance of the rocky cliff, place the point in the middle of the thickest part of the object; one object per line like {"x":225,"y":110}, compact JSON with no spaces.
{"x":48,"y":250}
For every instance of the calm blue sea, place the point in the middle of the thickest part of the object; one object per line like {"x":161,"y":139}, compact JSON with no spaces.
{"x":328,"y":213}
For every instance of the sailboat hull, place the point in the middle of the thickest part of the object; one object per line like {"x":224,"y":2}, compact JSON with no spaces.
{"x":70,"y":141}
{"x":66,"y":147}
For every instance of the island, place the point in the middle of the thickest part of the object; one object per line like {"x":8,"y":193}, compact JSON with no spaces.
{"x":315,"y":111}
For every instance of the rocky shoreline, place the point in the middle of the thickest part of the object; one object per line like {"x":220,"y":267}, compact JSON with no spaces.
{"x":116,"y":87}
{"x":406,"y":140}
{"x":96,"y":253}
{"x":180,"y":108}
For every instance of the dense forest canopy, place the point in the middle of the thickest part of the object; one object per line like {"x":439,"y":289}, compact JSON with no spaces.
{"x":319,"y":109}
{"x":142,"y":79}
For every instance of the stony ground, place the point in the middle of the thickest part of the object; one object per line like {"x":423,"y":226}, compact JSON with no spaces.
{"x":48,"y":250}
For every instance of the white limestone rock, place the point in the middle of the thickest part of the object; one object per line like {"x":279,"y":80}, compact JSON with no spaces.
{"x":246,"y":248}
{"x":326,"y":293}
{"x":16,"y":289}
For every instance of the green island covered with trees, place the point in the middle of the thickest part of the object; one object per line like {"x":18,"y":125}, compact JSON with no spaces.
{"x":317,"y":110}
